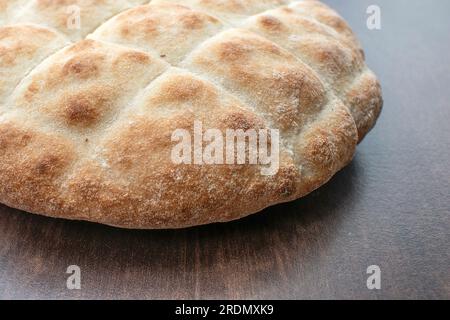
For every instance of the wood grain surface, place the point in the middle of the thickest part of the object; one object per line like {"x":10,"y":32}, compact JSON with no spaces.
{"x":390,"y":207}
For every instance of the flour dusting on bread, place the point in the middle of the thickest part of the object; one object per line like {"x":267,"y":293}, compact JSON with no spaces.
{"x":90,"y":100}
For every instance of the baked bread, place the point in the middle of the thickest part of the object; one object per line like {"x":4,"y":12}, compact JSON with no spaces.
{"x":87,"y":113}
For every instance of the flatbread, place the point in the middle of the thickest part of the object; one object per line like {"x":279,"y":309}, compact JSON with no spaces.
{"x":90,"y":100}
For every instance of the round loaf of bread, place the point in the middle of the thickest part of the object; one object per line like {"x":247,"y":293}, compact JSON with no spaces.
{"x":92,"y":92}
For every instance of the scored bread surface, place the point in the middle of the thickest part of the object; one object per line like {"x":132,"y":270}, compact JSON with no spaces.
{"x":87,"y":114}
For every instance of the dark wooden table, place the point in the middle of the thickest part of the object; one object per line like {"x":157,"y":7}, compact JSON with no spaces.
{"x":390,"y":207}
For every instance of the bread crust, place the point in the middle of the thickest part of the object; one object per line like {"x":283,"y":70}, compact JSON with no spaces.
{"x":86,"y":116}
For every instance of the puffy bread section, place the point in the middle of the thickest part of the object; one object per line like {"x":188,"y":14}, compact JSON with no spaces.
{"x":325,"y":146}
{"x":134,"y":178}
{"x":318,"y":45}
{"x":229,"y":10}
{"x":83,"y":86}
{"x":365,"y":102}
{"x":324,"y":14}
{"x":32,"y":166}
{"x":9,"y":9}
{"x":64,"y":15}
{"x":170,"y":30}
{"x":322,"y":39}
{"x":179,"y":90}
{"x":22,"y":47}
{"x":269,"y":79}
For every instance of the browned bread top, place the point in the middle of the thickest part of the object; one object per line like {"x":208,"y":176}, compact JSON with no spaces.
{"x":87,"y":112}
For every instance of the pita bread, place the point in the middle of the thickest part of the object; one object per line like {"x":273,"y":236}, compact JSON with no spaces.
{"x":87,"y":111}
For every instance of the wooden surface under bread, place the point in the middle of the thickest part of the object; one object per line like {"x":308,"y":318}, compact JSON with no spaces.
{"x":390,"y":207}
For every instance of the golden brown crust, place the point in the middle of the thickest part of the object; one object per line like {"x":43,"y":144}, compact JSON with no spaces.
{"x":86,"y":126}
{"x":22,"y":47}
{"x":365,"y":101}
